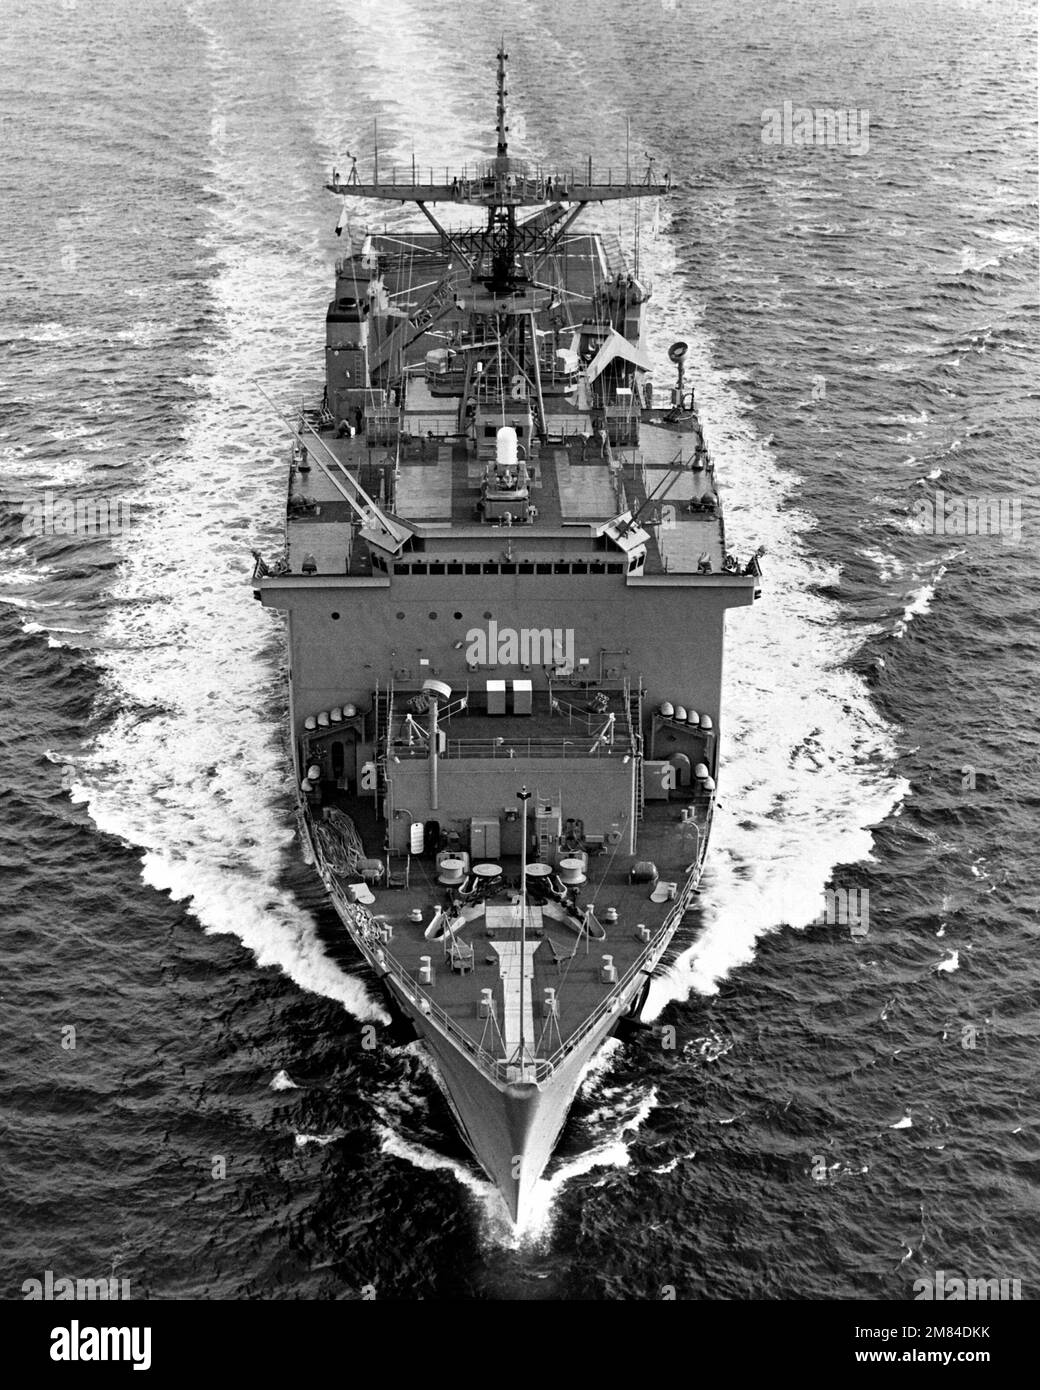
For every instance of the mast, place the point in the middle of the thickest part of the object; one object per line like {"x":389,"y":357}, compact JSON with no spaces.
{"x":495,"y":255}
{"x":504,"y":184}
{"x":434,"y":743}
{"x":502,"y":218}
{"x":524,"y":796}
{"x":503,"y":143}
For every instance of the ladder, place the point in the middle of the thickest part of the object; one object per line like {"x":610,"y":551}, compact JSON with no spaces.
{"x":384,"y":699}
{"x":546,"y":837}
{"x":634,"y":712}
{"x":384,"y":713}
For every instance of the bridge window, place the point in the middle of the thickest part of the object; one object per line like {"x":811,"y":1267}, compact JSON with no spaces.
{"x":454,"y":567}
{"x":472,"y":569}
{"x":543,"y":569}
{"x":561,"y":567}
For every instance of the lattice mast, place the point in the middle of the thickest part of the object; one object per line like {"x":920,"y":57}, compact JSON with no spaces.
{"x":503,"y":185}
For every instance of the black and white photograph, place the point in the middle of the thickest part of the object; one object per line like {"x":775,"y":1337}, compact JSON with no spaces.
{"x":519,"y":640}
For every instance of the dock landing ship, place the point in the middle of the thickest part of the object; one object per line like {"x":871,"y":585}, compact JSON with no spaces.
{"x":506,"y":579}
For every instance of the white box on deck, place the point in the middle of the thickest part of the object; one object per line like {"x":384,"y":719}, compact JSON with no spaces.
{"x":496,"y":697}
{"x":484,"y":840}
{"x":523,"y":697}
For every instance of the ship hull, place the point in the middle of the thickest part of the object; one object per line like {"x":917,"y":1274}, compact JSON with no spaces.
{"x":511,"y":1128}
{"x":507,"y":581}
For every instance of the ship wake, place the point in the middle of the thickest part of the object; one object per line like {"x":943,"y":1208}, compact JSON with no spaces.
{"x":618,"y":1112}
{"x":202,"y":785}
{"x":806,"y":758}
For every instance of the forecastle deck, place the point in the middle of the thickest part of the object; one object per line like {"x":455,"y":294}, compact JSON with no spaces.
{"x":549,"y":992}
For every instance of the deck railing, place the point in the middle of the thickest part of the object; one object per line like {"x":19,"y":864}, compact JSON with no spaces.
{"x":650,"y":953}
{"x":495,"y":1068}
{"x":533,"y":180}
{"x":585,"y":746}
{"x":369,"y":932}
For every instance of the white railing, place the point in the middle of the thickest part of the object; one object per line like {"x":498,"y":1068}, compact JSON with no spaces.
{"x":372,"y":939}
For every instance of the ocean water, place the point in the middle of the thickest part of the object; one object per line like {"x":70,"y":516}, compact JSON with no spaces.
{"x":815,"y":1113}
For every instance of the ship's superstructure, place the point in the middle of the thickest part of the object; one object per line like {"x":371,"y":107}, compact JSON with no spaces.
{"x":506,"y":581}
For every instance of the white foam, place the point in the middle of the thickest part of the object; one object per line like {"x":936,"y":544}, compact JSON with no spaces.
{"x":33,"y":628}
{"x":805,"y":756}
{"x":45,"y":332}
{"x":972,"y":260}
{"x":919,"y":602}
{"x":673,"y":1163}
{"x":144,"y":333}
{"x":321,"y":1141}
{"x":282,"y":1081}
{"x":622,"y":1111}
{"x":33,"y":470}
{"x":598,"y":1066}
{"x":1010,"y":235}
{"x":497,"y":1223}
{"x":202,"y":784}
{"x":425,"y":110}
{"x":921,"y":419}
{"x":889,"y":565}
{"x":611,"y":1152}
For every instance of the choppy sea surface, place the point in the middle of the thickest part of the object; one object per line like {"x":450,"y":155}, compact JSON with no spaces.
{"x":840,"y":1114}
